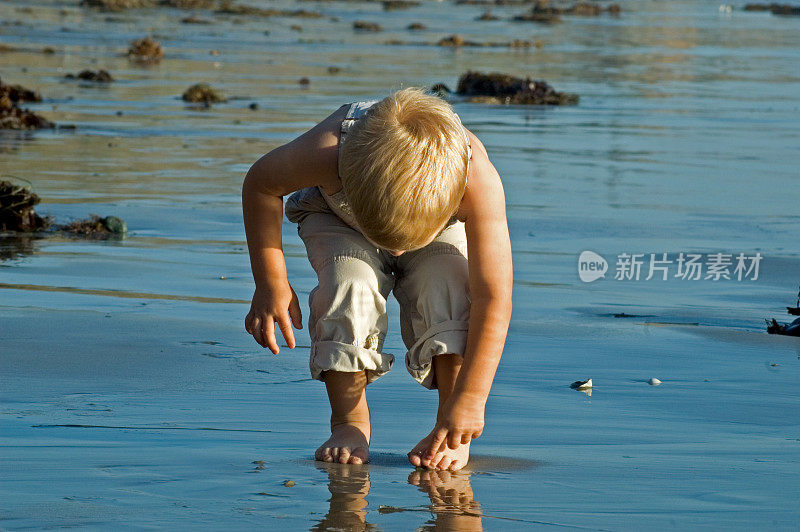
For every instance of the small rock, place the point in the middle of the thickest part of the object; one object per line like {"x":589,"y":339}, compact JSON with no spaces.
{"x":389,"y":5}
{"x":334,"y":69}
{"x":653,"y":382}
{"x":363,"y":25}
{"x":100,"y":76}
{"x":416,"y":26}
{"x":253,"y":106}
{"x":194,"y":19}
{"x":441,"y":90}
{"x":304,"y":81}
{"x":12,"y":116}
{"x":289,"y":483}
{"x":452,"y":40}
{"x":145,"y":50}
{"x":117,"y":5}
{"x":520,"y":43}
{"x":202,"y":93}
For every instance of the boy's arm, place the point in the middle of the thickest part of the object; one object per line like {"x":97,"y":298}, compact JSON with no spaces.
{"x":490,"y":282}
{"x":309,"y":160}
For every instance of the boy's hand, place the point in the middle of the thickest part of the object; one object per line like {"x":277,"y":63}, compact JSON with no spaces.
{"x":275,"y":304}
{"x":460,"y":421}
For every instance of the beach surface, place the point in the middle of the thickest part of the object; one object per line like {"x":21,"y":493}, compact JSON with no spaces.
{"x":132,"y":398}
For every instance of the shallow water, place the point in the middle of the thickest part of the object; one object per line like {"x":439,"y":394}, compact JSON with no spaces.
{"x":132,"y":398}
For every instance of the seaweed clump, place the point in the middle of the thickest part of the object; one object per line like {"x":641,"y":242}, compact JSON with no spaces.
{"x":203,"y":93}
{"x":122,"y":5}
{"x":456,"y":41}
{"x":543,"y":12}
{"x":363,"y":25}
{"x":506,"y":89}
{"x":100,"y":76}
{"x":16,"y":209}
{"x":145,"y":50}
{"x":790,"y":329}
{"x":775,"y":9}
{"x":117,"y":5}
{"x":17,"y":215}
{"x":228,"y":7}
{"x":96,"y":227}
{"x":391,"y":5}
{"x":12,"y":116}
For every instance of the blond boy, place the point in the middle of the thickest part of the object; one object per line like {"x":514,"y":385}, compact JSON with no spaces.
{"x":388,"y":196}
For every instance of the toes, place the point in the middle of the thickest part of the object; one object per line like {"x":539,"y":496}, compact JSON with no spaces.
{"x":444,"y":463}
{"x":323,"y":454}
{"x":456,"y":464}
{"x":359,"y":456}
{"x":344,"y":455}
{"x":414,"y":459}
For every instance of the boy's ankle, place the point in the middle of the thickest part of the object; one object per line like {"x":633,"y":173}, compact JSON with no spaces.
{"x":360,"y":425}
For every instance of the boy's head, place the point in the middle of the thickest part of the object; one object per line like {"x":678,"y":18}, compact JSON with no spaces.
{"x":404,"y":169}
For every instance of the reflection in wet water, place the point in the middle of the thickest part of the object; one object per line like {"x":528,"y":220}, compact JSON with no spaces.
{"x":349,"y":486}
{"x":452,"y":503}
{"x":16,"y":246}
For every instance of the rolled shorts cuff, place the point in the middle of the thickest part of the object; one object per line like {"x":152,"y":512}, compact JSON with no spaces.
{"x":338,"y":356}
{"x":441,"y":339}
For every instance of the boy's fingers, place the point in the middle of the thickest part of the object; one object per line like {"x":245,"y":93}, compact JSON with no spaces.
{"x":438,"y":441}
{"x":465,"y":439}
{"x":269,"y":335}
{"x":256,"y":331}
{"x":295,"y":313}
{"x":286,"y":330}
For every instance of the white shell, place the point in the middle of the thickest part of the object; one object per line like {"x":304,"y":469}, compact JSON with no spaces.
{"x":581,"y":385}
{"x":653,"y":382}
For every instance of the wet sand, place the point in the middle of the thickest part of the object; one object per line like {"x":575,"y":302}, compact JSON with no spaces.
{"x":132,"y":398}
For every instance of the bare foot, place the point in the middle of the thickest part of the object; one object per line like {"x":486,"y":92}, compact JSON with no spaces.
{"x":450,"y":459}
{"x":348,"y":444}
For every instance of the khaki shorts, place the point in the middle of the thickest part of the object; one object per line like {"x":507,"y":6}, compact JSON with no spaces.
{"x":348,"y":321}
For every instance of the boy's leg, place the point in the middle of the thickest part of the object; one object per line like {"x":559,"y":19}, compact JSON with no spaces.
{"x":347,"y":325}
{"x":446,"y":368}
{"x":433,"y":292}
{"x":350,"y":427}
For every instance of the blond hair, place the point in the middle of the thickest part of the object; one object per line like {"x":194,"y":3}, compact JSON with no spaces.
{"x":404,"y":169}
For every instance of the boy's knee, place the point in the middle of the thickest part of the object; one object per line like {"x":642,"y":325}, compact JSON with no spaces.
{"x":348,"y":320}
